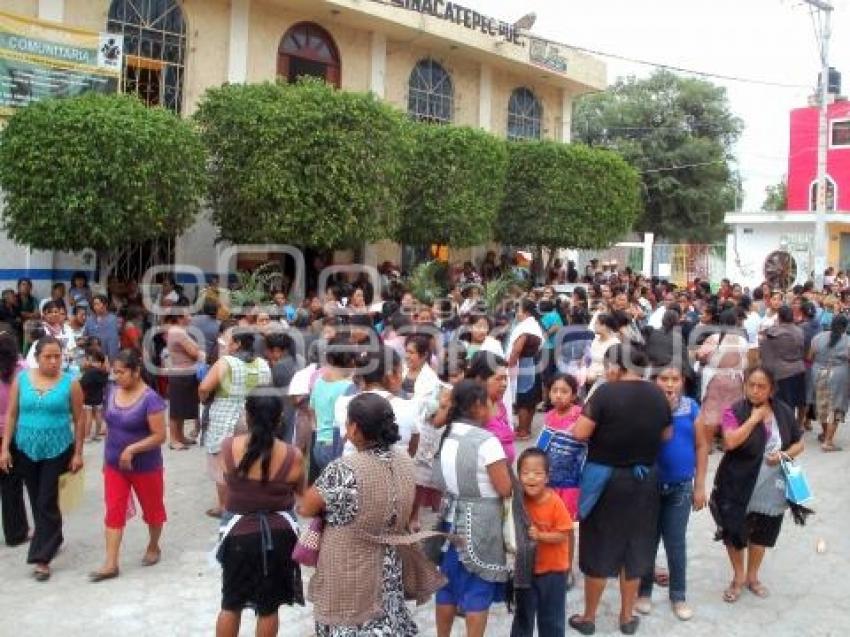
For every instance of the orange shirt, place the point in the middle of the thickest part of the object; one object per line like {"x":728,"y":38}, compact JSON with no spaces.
{"x":550,"y":515}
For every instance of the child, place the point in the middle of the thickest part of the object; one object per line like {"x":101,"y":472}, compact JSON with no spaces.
{"x":564,"y":453}
{"x":93,"y":382}
{"x":681,"y":476}
{"x":552,"y":529}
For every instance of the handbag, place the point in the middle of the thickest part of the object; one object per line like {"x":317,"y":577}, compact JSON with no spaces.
{"x":306,"y":551}
{"x":797,"y":489}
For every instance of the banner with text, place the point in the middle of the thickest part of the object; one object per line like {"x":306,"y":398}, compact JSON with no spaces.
{"x":43,"y":59}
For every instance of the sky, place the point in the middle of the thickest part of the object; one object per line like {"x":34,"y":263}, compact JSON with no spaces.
{"x":771,"y":40}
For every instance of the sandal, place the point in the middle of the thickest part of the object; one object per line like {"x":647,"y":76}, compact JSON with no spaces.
{"x":733,"y":593}
{"x":41,"y":575}
{"x":830,"y":447}
{"x":758,"y":589}
{"x":584,"y":626}
{"x":177,"y":447}
{"x":102,"y":576}
{"x":631,"y":626}
{"x":149,"y":559}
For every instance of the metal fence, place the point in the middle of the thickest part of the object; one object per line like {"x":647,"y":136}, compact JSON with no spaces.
{"x":676,"y":262}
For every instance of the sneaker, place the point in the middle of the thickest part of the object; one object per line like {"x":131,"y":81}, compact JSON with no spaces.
{"x":682,"y":611}
{"x":643,"y":605}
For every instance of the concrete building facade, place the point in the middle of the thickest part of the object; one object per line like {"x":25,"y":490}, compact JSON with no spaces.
{"x":175,"y":50}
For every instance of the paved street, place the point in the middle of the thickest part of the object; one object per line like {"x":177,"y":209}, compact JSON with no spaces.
{"x":180,"y":595}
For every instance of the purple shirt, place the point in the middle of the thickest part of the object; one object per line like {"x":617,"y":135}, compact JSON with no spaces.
{"x":128,"y":425}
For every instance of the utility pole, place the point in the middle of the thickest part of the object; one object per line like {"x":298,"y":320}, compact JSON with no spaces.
{"x":820,"y":242}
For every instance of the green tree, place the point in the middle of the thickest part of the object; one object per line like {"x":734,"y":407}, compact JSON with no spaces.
{"x":678,"y":132}
{"x":99,"y":172}
{"x":566,"y":196}
{"x":456,"y":180}
{"x":303,"y":164}
{"x":776,"y":196}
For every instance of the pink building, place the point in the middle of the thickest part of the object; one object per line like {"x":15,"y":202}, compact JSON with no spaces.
{"x":802,"y":158}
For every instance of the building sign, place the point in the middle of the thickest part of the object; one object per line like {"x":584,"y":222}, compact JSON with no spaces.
{"x":40,"y":60}
{"x":546,"y":54}
{"x":457,"y":13}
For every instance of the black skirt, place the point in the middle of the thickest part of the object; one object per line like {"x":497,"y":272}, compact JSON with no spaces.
{"x":244,"y":584}
{"x":183,"y":396}
{"x":792,"y":390}
{"x":620,"y":532}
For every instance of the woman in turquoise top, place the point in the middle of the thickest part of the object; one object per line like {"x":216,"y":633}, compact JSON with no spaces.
{"x":46,"y":425}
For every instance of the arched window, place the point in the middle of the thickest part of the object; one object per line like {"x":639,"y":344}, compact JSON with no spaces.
{"x":154,"y":33}
{"x":430,"y":93}
{"x":525,"y":115}
{"x":830,"y":195}
{"x":307,"y":49}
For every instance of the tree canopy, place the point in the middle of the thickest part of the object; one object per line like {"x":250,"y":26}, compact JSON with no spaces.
{"x":303,"y":164}
{"x":456,"y":180}
{"x":98,"y":171}
{"x":776,"y":196}
{"x":561,"y":196}
{"x":678,"y":133}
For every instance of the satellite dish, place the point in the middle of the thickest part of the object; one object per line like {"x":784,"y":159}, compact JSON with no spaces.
{"x":526,"y":22}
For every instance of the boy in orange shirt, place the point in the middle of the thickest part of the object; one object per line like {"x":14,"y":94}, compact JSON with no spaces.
{"x":552,"y":530}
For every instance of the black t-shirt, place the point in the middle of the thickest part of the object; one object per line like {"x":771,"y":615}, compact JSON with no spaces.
{"x":629,"y":417}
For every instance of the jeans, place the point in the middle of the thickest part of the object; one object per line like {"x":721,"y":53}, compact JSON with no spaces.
{"x":325,"y":452}
{"x":676,"y":501}
{"x":546,"y":601}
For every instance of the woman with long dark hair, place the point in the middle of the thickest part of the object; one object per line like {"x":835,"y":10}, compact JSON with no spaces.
{"x":830,"y":357}
{"x":748,"y":501}
{"x":523,"y":349}
{"x":261,"y":475}
{"x":472,"y":470}
{"x":491,"y":371}
{"x":45,"y":422}
{"x":15,"y":526}
{"x":135,"y":419}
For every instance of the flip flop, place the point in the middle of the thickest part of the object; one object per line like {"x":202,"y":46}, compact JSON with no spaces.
{"x":100,"y":576}
{"x":214,"y":513}
{"x":733,"y":593}
{"x":150,"y":561}
{"x":829,"y":448}
{"x":630,"y":627}
{"x":177,"y":447}
{"x":758,"y":589}
{"x":583,"y":626}
{"x":41,"y":576}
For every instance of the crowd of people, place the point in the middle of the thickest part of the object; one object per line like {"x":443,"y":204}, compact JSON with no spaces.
{"x":395,"y":440}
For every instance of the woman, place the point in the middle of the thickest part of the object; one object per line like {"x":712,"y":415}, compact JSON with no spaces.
{"x":366,"y":500}
{"x":623,"y":423}
{"x":748,"y":500}
{"x":606,"y":336}
{"x":681,"y":480}
{"x":422,"y":383}
{"x":782,"y":352}
{"x":334,"y":381}
{"x":723,"y":356}
{"x":480,"y":327}
{"x":233,"y":376}
{"x":45,"y":421}
{"x":830,"y":357}
{"x":491,"y":371}
{"x":103,"y":324}
{"x":261,"y":476}
{"x":15,"y":525}
{"x":183,"y":356}
{"x":523,"y":348}
{"x":135,"y":420}
{"x":472,"y":470}
{"x":53,"y":324}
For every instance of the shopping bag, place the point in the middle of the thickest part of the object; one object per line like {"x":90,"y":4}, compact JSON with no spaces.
{"x":797,"y":489}
{"x":71,"y":490}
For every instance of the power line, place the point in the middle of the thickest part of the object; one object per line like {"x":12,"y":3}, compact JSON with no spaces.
{"x":679,"y":69}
